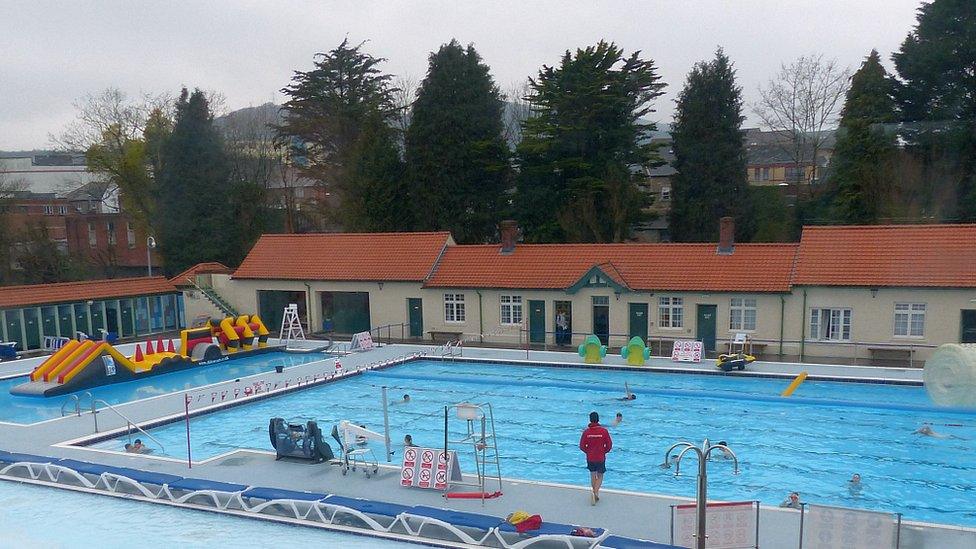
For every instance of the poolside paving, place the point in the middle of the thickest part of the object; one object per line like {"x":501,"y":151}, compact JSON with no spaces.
{"x":624,"y":513}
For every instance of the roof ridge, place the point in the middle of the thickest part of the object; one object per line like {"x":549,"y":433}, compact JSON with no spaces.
{"x":75,"y":282}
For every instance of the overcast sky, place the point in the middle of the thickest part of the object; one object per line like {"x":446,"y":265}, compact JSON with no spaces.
{"x":52,"y":53}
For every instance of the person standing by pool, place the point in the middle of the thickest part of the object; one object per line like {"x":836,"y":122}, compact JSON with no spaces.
{"x":595,"y":442}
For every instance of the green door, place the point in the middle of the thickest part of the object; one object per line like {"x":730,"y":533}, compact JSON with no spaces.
{"x":706,"y":327}
{"x":638,"y":320}
{"x":537,"y":321}
{"x":415,"y":312}
{"x":968,"y":326}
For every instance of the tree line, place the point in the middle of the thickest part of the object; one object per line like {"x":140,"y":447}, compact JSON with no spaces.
{"x":447,"y":156}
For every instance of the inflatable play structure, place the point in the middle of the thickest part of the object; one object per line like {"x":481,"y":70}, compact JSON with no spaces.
{"x":592,"y":350}
{"x":950,"y":376}
{"x":84,"y":364}
{"x":635,"y":352}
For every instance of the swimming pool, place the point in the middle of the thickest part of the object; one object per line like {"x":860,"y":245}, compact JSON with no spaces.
{"x":30,"y":409}
{"x":811,"y":442}
{"x":107,"y":522}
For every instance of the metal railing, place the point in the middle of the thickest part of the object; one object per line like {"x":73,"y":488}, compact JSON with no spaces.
{"x":211,"y":295}
{"x":390,"y":329}
{"x":129,"y":423}
{"x":76,"y":400}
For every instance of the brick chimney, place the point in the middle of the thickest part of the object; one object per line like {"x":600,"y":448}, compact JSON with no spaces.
{"x":508,"y":230}
{"x":726,"y":236}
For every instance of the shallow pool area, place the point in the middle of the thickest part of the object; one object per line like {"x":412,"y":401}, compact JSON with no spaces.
{"x":25,"y":523}
{"x":31,"y":409}
{"x":811,"y":442}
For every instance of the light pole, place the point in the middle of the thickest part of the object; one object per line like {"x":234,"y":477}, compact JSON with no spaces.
{"x":703,"y":454}
{"x":150,"y":244}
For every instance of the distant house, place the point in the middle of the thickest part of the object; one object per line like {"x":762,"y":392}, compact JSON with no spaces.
{"x":772,"y":162}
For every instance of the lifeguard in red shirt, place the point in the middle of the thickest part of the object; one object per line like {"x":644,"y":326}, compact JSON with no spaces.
{"x":596,"y":442}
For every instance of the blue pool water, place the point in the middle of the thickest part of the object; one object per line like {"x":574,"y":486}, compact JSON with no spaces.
{"x":25,"y":409}
{"x":107,"y":523}
{"x":811,"y":442}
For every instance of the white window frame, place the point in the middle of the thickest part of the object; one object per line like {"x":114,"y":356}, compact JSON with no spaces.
{"x":92,"y":235}
{"x":130,"y":235}
{"x":48,"y":210}
{"x":739,"y":307}
{"x":665,"y":194}
{"x":110,"y":230}
{"x":454,"y":308}
{"x":910,"y":311}
{"x":839,"y":321}
{"x":670,"y":312}
{"x":510,"y":310}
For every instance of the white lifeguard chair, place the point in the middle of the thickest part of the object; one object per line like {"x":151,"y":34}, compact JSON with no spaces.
{"x":291,"y":326}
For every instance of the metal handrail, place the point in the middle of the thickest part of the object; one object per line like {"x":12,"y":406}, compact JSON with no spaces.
{"x":129,"y":422}
{"x":77,"y":405}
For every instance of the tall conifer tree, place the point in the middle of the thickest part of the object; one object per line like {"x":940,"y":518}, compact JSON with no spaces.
{"x":710,"y":155}
{"x":195,"y":221}
{"x":456,"y":154}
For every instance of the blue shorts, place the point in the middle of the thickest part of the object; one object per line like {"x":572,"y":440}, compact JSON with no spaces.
{"x":597,"y":466}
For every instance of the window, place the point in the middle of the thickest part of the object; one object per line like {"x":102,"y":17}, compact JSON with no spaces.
{"x":765,"y":174}
{"x":130,"y":235}
{"x":110,"y":229}
{"x":511,"y":309}
{"x":665,"y":193}
{"x":48,"y":210}
{"x":671,"y":312}
{"x":755,"y":174}
{"x":909,"y":319}
{"x":92,"y":236}
{"x":830,"y":324}
{"x":794,"y":173}
{"x":742,"y":314}
{"x":62,"y":210}
{"x":453,"y":307}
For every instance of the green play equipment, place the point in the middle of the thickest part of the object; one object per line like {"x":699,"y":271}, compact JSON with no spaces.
{"x":635,"y":352}
{"x":592,"y":350}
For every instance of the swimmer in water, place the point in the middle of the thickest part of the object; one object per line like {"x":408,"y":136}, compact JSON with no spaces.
{"x":724,"y":452}
{"x":928,"y":431}
{"x":617,"y":420}
{"x":405,"y":400}
{"x":629,"y":395}
{"x":854,"y":485}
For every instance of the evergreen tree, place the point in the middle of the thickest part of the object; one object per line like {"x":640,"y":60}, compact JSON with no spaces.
{"x":710,"y":155}
{"x":377,"y":193}
{"x":864,"y":153}
{"x":327,"y":108}
{"x":581,"y":154}
{"x":455,"y":150}
{"x":195,"y":216}
{"x":936,"y":65}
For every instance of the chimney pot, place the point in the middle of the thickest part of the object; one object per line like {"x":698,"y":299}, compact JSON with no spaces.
{"x":508,"y":230}
{"x":726,"y":236}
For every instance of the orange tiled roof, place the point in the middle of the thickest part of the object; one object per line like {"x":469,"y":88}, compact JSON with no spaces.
{"x":344,"y":256}
{"x":677,"y":267}
{"x":69,"y":292}
{"x":210,"y":267}
{"x":888,"y":255}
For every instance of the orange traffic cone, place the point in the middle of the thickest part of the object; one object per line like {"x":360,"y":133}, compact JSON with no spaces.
{"x":138,"y":356}
{"x":169,"y":346}
{"x":159,"y":345}
{"x":149,"y":348}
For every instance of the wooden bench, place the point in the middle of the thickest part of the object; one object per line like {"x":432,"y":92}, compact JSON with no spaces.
{"x":891,"y":354}
{"x":444,"y":337}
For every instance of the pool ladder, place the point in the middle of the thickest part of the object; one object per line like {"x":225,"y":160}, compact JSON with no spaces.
{"x":129,"y":423}
{"x":77,"y":403}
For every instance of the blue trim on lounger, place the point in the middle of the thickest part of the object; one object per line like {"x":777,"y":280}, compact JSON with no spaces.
{"x":14,"y":457}
{"x":194,"y":484}
{"x":458,"y":518}
{"x":278,"y":493}
{"x":368,"y":507}
{"x":620,"y":542}
{"x":138,"y":475}
{"x":83,"y":467}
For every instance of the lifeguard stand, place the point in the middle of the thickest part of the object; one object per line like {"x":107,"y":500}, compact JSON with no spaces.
{"x":480,"y":434}
{"x":291,"y":326}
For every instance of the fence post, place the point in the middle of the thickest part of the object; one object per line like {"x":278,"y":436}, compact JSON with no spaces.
{"x":803,"y":508}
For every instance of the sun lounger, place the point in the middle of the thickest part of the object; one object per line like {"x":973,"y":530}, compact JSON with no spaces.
{"x":547,"y":533}
{"x":291,"y":500}
{"x":187,"y":489}
{"x":32,"y":464}
{"x":476,"y":528}
{"x":114,"y":479}
{"x":377,"y":515}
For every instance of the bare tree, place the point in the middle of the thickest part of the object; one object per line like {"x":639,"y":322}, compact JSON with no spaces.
{"x":517,"y":110}
{"x":801,"y":103}
{"x":404,"y":94}
{"x":108,"y":117}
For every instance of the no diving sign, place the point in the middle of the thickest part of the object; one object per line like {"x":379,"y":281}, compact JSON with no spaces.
{"x":423,"y":473}
{"x":406,"y":470}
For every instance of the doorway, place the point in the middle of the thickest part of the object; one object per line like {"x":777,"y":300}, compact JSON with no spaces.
{"x":705,"y":327}
{"x":537,"y":321}
{"x":601,"y":318}
{"x":563,"y":322}
{"x":967,"y":326}
{"x":415,"y":314}
{"x":638,"y":321}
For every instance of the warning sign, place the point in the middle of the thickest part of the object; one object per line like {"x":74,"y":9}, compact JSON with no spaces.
{"x":409,"y":463}
{"x":419,"y":469}
{"x":686,"y":350}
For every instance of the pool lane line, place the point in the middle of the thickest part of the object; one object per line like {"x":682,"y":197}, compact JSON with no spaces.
{"x":678,"y":393}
